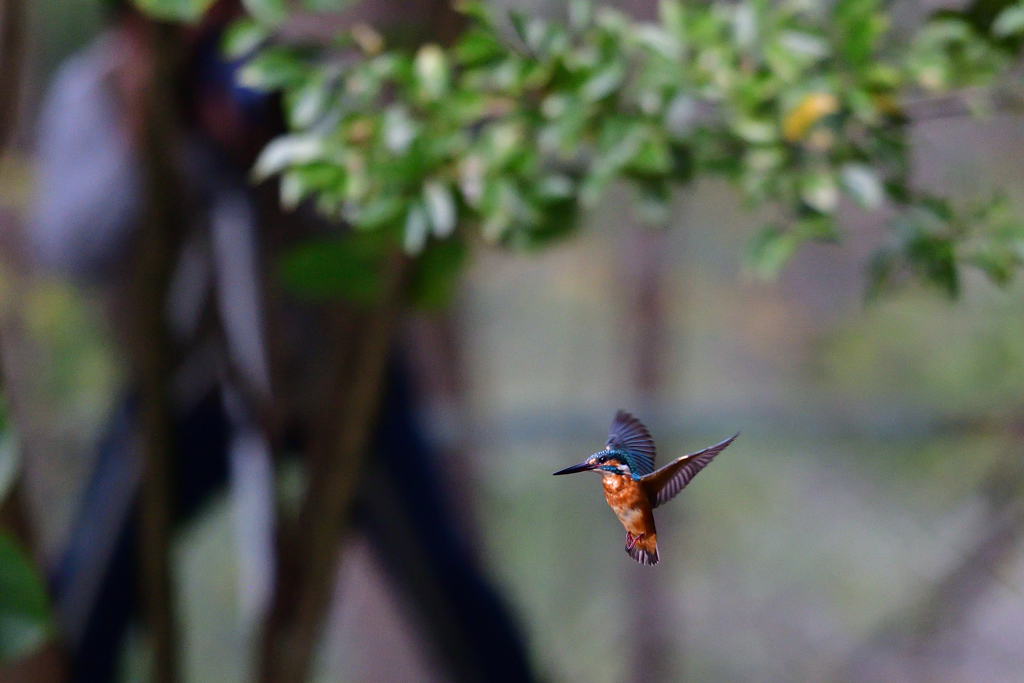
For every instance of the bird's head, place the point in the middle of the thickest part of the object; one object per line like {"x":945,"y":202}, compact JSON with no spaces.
{"x":604,"y":462}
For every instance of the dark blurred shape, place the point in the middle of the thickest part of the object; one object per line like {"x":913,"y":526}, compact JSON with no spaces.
{"x":409,"y":521}
{"x":94,"y":584}
{"x":223,"y":415}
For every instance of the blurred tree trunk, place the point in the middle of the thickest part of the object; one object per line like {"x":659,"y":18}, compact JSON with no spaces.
{"x":12,"y":50}
{"x":162,"y":230}
{"x":431,"y":342}
{"x":309,"y":552}
{"x":47,"y":665}
{"x":304,"y":585}
{"x":651,"y":645}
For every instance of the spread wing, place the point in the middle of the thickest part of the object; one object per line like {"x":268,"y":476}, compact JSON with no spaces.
{"x":663,"y":485}
{"x":629,"y":434}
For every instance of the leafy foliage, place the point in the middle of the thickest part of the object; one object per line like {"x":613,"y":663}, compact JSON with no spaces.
{"x":510,"y":135}
{"x":931,"y":238}
{"x":175,"y":10}
{"x":24,"y":608}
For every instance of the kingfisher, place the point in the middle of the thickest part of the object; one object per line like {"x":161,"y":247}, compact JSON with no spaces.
{"x":633,"y":488}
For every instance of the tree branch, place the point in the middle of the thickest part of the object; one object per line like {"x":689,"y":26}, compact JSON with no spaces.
{"x":12,"y":46}
{"x":292,"y":630}
{"x":916,"y":631}
{"x":159,"y":240}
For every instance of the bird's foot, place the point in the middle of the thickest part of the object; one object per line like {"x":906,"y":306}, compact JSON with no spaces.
{"x":631,"y":540}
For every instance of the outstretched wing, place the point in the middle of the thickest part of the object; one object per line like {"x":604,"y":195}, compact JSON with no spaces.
{"x":663,"y":485}
{"x":629,"y":434}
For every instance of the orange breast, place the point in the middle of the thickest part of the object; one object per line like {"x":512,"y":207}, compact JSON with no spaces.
{"x":629,"y":502}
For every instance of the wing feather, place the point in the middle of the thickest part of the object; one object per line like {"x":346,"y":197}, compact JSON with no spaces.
{"x":629,"y":434}
{"x":664,"y":484}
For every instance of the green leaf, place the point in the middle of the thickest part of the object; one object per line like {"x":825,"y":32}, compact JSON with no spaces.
{"x":478,"y":47}
{"x":744,"y":25}
{"x":660,"y":41}
{"x":441,"y":209}
{"x":673,"y":17}
{"x":399,"y":129}
{"x":347,"y":268}
{"x":581,"y":13}
{"x":299,"y":182}
{"x":273,"y":69}
{"x":804,"y":44}
{"x":478,"y":11}
{"x":860,"y":24}
{"x":757,"y":131}
{"x":520,"y":23}
{"x":436,"y":275}
{"x":773,"y":246}
{"x":9,"y":465}
{"x":604,"y":82}
{"x":625,"y":140}
{"x":432,"y":73}
{"x":188,"y":11}
{"x":555,"y":187}
{"x":653,"y":203}
{"x":285,"y":151}
{"x":417,"y":228}
{"x":536,"y":34}
{"x":769,"y":251}
{"x":307,"y":103}
{"x":680,"y":116}
{"x":934,"y":259}
{"x":242,"y":38}
{"x":328,"y":6}
{"x":819,"y":191}
{"x":1010,"y":22}
{"x":862,"y":183}
{"x":25,"y":622}
{"x":267,"y":12}
{"x":653,"y":157}
{"x":380,"y":212}
{"x":10,"y":459}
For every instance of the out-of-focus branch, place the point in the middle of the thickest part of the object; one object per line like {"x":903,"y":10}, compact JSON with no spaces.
{"x":292,"y":630}
{"x":12,"y":47}
{"x":411,"y":21}
{"x":949,"y":601}
{"x":408,"y":561}
{"x":48,"y":665}
{"x":957,"y":105}
{"x":160,"y":234}
{"x":431,"y":346}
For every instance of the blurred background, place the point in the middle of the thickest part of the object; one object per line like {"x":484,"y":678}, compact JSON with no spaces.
{"x":866,"y":526}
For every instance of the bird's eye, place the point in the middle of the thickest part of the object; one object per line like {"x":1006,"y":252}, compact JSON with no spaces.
{"x":602,"y":458}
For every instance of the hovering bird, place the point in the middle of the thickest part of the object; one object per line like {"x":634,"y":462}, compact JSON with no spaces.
{"x":633,"y":488}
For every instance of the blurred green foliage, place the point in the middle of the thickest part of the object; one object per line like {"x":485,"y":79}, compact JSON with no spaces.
{"x":510,"y":133}
{"x":57,"y":28}
{"x":24,"y":607}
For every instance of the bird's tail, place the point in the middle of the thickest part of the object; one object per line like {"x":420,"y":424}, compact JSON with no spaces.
{"x":644,"y":550}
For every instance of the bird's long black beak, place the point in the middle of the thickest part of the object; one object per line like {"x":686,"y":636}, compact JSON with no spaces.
{"x":582,"y":467}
